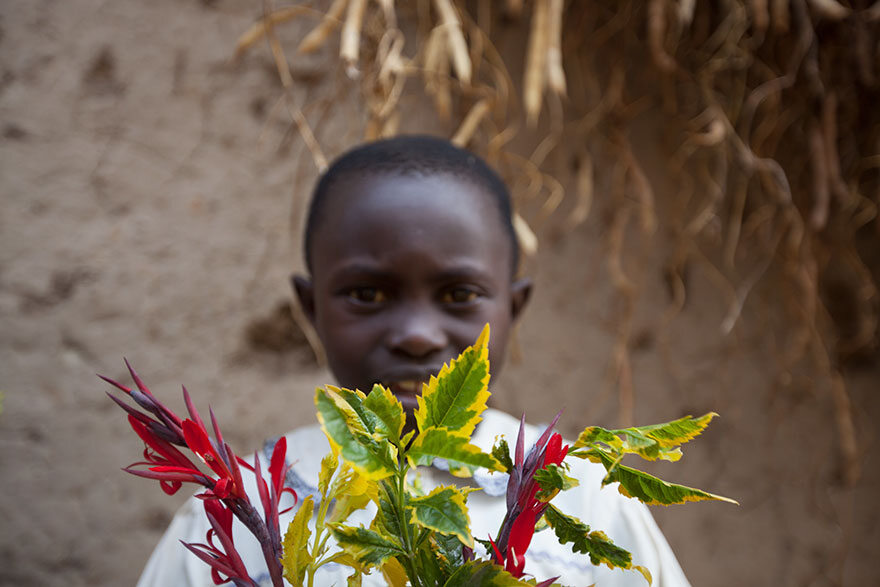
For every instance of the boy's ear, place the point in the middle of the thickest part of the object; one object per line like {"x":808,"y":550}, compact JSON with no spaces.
{"x":305,"y":293}
{"x":520,"y":292}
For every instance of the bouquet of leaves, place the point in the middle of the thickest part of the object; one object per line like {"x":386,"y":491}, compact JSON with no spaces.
{"x":416,"y":537}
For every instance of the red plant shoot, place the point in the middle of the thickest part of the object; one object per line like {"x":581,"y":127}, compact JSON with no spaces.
{"x":162,"y":432}
{"x":524,"y":510}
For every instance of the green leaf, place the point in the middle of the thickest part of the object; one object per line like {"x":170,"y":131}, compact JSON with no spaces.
{"x":430,"y":569}
{"x":501,"y":452}
{"x":295,"y":558}
{"x":443,"y":510}
{"x":595,"y":544}
{"x":483,"y":573}
{"x":355,"y":399}
{"x":345,"y":430}
{"x":456,"y":397}
{"x":463,"y":457}
{"x":647,"y":488}
{"x":552,"y":480}
{"x":367,"y":546}
{"x":658,"y":441}
{"x":594,"y":434}
{"x":388,"y":517}
{"x":449,"y":548}
{"x":672,"y":434}
{"x":387,"y":408}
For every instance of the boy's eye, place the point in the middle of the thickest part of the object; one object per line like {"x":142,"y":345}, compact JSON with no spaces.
{"x":459,"y":295}
{"x":367,"y":295}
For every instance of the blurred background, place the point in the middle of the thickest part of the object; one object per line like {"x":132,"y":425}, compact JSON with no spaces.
{"x":697,"y":187}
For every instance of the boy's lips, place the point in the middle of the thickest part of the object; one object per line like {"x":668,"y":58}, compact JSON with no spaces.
{"x":407,"y":390}
{"x":406,"y":387}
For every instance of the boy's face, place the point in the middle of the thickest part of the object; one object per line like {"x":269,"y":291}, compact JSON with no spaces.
{"x":406,"y":272}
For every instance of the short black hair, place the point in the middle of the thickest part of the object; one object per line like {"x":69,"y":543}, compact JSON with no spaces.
{"x":411,"y":155}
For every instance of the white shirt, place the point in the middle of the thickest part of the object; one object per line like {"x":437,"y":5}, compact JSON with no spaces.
{"x":626,"y":521}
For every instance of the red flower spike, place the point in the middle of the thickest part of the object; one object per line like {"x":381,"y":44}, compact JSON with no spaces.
{"x":537,"y":450}
{"x":224,"y":560}
{"x":191,"y":408}
{"x":197,"y":440}
{"x":520,"y":442}
{"x":244,"y":463}
{"x":219,"y":444}
{"x":168,"y":453}
{"x":499,"y":560}
{"x":236,"y":472}
{"x":170,"y":481}
{"x":158,"y":406}
{"x":523,"y":509}
{"x":221,"y":488}
{"x":553,"y":451}
{"x":515,"y":563}
{"x":278,"y":468}
{"x":276,"y":464}
{"x":262,"y":487}
{"x":114,"y":384}
{"x":131,"y":411}
{"x":136,"y":378}
{"x":269,"y":504}
{"x":212,"y":560}
{"x":521,"y":533}
{"x":224,"y":495}
{"x":223,"y":515}
{"x":163,"y":432}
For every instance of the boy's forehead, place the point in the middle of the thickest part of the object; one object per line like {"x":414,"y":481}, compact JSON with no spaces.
{"x":407,"y":205}
{"x":392,"y":195}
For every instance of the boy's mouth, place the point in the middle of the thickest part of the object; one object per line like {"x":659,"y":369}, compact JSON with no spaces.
{"x":406,"y":391}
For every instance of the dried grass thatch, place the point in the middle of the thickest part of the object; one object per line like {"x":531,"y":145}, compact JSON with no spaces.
{"x":774,"y":144}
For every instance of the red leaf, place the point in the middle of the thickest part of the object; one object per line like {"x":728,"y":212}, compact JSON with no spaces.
{"x":277,"y":467}
{"x":170,"y":487}
{"x":262,"y":488}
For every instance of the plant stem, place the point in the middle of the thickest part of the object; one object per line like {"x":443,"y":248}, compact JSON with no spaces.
{"x":319,"y":540}
{"x":405,"y":528}
{"x":271,"y":552}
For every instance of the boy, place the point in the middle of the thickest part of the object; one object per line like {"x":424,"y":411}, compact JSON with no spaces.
{"x":411,"y":250}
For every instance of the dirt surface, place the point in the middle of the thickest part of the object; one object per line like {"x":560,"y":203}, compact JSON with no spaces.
{"x":147,"y":198}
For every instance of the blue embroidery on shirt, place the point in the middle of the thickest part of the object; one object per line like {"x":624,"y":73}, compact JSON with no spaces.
{"x":292,"y":479}
{"x":494,"y":484}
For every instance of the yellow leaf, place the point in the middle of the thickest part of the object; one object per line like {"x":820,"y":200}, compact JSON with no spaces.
{"x":645,"y":573}
{"x":295,"y":558}
{"x":394,"y":574}
{"x":328,"y":466}
{"x":347,"y":432}
{"x":355,"y":580}
{"x":456,"y":397}
{"x":344,"y":558}
{"x":389,"y":411}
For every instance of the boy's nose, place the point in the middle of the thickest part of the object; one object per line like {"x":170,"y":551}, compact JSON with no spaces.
{"x":418,"y":335}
